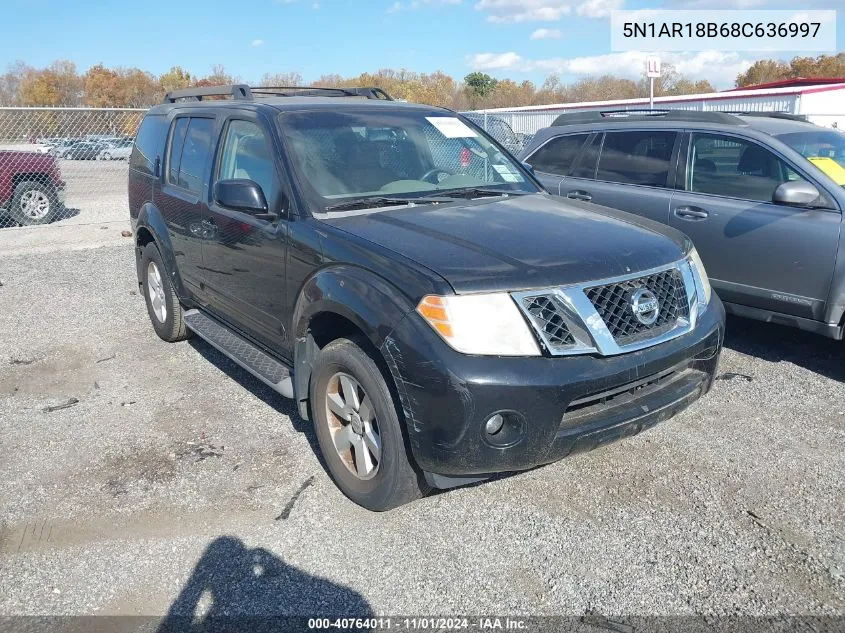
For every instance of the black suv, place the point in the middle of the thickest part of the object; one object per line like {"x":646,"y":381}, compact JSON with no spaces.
{"x":760,"y":194}
{"x":433,"y":311}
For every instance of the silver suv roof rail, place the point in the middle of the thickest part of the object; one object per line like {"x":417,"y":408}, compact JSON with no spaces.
{"x":242,"y":92}
{"x":594,"y":116}
{"x":774,"y":115}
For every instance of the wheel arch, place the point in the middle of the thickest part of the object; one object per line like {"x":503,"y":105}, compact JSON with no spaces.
{"x":338,"y":302}
{"x":151,"y":228}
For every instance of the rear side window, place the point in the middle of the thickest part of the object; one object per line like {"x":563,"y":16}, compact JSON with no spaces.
{"x":733,"y":167}
{"x":148,"y":143}
{"x":190,"y":147}
{"x":556,"y":156}
{"x":637,"y":157}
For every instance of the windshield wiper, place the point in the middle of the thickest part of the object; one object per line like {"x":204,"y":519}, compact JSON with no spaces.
{"x":477,"y":192}
{"x":371,"y":203}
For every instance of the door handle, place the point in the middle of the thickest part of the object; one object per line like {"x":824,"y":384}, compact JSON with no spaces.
{"x":578,"y":194}
{"x":691,"y":213}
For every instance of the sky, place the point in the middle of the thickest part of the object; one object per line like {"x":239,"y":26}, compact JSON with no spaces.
{"x":519,"y":39}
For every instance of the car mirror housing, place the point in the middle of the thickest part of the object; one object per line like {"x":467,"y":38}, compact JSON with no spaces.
{"x":529,"y":167}
{"x":797,"y":193}
{"x":241,"y":194}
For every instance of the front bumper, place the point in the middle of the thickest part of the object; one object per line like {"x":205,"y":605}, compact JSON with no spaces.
{"x":555,"y":406}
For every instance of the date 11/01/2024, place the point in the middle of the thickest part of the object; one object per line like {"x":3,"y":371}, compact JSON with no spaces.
{"x":418,"y":624}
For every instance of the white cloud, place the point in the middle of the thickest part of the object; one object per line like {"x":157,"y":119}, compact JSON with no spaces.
{"x":718,"y":67}
{"x":495,"y":61}
{"x":413,"y":5}
{"x":516,"y":11}
{"x":257,"y":43}
{"x":598,"y":8}
{"x":546,"y":34}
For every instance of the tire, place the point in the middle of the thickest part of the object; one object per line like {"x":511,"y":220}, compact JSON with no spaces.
{"x":163,"y":305}
{"x":394,"y":480}
{"x":34,"y":203}
{"x":105,"y":156}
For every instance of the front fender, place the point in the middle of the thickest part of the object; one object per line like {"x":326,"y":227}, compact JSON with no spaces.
{"x":372,"y":304}
{"x":151,"y":219}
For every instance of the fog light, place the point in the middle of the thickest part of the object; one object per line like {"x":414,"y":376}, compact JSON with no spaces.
{"x":494,"y":424}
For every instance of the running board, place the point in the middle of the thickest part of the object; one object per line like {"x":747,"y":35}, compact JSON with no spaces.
{"x":267,"y":369}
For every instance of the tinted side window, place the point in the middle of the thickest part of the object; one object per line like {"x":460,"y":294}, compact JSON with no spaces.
{"x":637,"y":157}
{"x":195,"y":154}
{"x":246,"y":154}
{"x":586,"y":167}
{"x":177,"y":140}
{"x":734,"y":167}
{"x":556,"y":156}
{"x":148,"y":143}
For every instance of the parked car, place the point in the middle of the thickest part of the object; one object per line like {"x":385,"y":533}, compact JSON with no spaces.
{"x":115,"y":150}
{"x":31,"y":187}
{"x":433,"y":311}
{"x":59,"y":147}
{"x":84,"y":150}
{"x":760,"y":195}
{"x":500,"y":130}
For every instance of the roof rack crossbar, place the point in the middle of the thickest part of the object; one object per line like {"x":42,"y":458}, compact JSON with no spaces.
{"x":242,"y":92}
{"x":645,"y":114}
{"x":772,"y":115}
{"x":239,"y":92}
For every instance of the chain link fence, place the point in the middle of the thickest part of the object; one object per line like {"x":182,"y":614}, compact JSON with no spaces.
{"x":68,"y":166}
{"x":64,"y":163}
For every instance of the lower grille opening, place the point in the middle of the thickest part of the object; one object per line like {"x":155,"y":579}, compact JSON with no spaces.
{"x":582,"y":409}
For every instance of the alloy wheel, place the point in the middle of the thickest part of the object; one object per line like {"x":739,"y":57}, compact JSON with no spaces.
{"x":155,"y":287}
{"x":353,"y":426}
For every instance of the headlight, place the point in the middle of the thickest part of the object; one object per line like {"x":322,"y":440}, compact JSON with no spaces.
{"x":702,"y":283}
{"x":488,"y":324}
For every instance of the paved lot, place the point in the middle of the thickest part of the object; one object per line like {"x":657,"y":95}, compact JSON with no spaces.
{"x":175,"y":477}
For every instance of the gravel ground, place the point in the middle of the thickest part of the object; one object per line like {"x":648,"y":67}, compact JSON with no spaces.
{"x":176,"y":475}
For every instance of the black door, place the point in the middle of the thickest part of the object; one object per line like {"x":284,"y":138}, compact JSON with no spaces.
{"x":181,"y":197}
{"x":244,"y":259}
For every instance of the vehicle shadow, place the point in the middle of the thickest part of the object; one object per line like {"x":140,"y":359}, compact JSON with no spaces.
{"x":7,"y":222}
{"x":235,"y":588}
{"x":261,"y":391}
{"x":778,"y":343}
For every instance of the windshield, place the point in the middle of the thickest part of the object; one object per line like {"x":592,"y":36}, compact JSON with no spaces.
{"x":824,"y":148}
{"x":384,"y":154}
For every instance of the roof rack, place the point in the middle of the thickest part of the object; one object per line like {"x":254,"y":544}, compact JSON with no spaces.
{"x":592,"y":116}
{"x":242,"y":92}
{"x":369,"y":92}
{"x":774,"y":115}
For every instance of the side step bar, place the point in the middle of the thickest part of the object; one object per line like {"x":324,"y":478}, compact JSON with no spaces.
{"x":267,"y":369}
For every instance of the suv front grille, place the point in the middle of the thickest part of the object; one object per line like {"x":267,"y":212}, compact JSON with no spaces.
{"x":547,"y":318}
{"x":613,"y":302}
{"x":615,"y":315}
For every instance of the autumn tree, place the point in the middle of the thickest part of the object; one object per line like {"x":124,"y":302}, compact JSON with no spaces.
{"x":57,"y":85}
{"x":282,"y":79}
{"x":766,"y":70}
{"x":10,"y":83}
{"x":175,"y":78}
{"x":480,"y":84}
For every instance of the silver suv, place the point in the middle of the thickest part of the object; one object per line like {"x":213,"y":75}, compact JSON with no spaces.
{"x":760,"y":194}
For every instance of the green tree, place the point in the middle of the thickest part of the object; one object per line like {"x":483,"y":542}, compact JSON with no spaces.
{"x":480,"y":84}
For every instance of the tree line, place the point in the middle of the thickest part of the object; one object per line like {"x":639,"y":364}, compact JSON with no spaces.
{"x":61,"y":84}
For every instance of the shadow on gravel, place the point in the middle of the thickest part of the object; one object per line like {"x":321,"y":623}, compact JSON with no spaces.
{"x":233,"y":588}
{"x":777,"y":343}
{"x":6,"y":221}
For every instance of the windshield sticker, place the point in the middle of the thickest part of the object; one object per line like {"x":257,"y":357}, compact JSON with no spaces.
{"x":830,"y":167}
{"x":451,"y":127}
{"x":508,"y":173}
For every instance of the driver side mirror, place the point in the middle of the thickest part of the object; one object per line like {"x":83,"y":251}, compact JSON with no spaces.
{"x":796,"y":193}
{"x":529,"y":167}
{"x":242,"y":194}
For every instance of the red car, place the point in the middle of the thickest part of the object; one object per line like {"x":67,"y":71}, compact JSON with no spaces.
{"x":31,"y":187}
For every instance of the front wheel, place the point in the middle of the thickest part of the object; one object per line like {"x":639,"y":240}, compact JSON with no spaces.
{"x":105,"y":156}
{"x":163,"y":305}
{"x":33,"y":203}
{"x":359,"y":430}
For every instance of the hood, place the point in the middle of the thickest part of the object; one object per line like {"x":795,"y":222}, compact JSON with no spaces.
{"x":519,"y":242}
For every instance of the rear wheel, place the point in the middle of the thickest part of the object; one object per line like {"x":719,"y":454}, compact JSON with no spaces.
{"x":163,"y":305}
{"x":105,"y":156}
{"x":33,"y":203}
{"x":359,"y":430}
